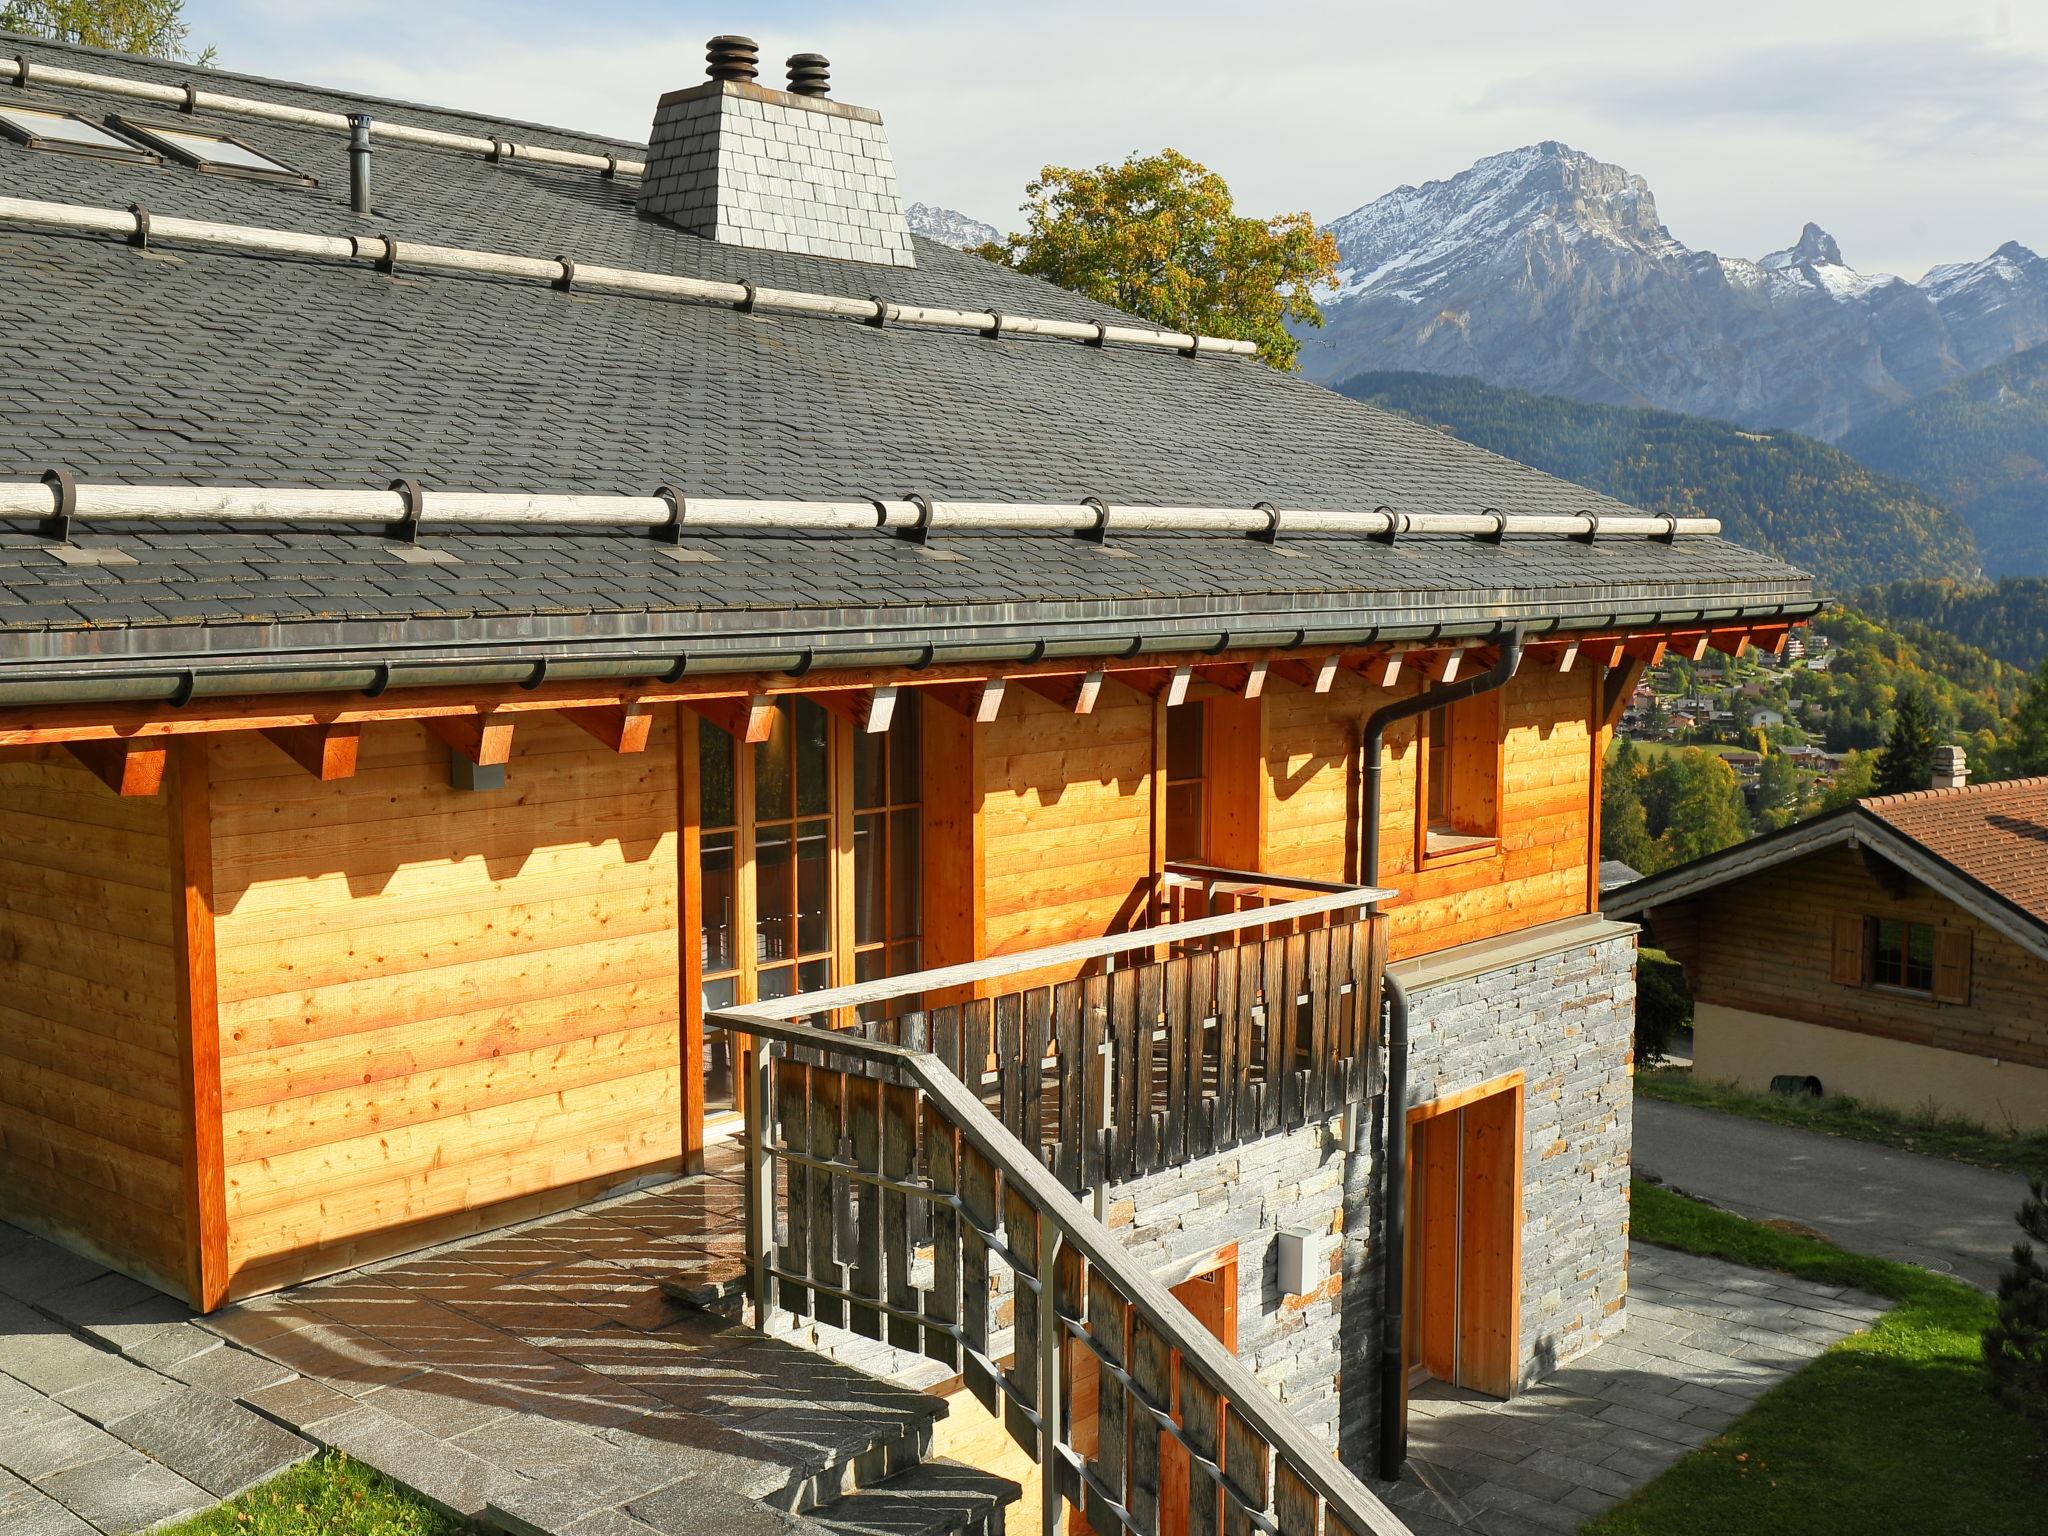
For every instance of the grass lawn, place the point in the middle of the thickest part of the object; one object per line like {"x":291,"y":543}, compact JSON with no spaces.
{"x":1890,"y":1430}
{"x":327,"y":1496}
{"x":1935,"y":1135}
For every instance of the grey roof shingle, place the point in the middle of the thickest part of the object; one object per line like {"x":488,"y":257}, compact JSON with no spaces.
{"x":190,"y":366}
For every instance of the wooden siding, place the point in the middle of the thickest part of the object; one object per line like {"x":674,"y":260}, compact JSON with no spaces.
{"x":1066,"y":819}
{"x":1536,"y":873}
{"x":440,"y":1010}
{"x":1766,"y":945}
{"x":95,"y":1129}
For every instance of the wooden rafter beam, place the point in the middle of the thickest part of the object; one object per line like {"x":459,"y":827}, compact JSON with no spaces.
{"x":1617,"y":688}
{"x":1316,"y":676}
{"x":1692,"y":645}
{"x":750,"y":719}
{"x":127,"y":767}
{"x":980,"y":702}
{"x":622,"y":727}
{"x":1771,"y":638}
{"x":1729,"y":642}
{"x":1648,"y":649}
{"x":1246,"y":680}
{"x":484,"y":739}
{"x":1445,"y":665}
{"x":328,"y":752}
{"x":1565,"y":655}
{"x":869,"y":710}
{"x":1075,"y":693}
{"x":1382,"y":669}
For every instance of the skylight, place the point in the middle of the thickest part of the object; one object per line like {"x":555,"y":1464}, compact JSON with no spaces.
{"x":48,"y":128}
{"x":208,"y":151}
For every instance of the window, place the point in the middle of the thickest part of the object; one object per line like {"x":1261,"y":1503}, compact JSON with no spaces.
{"x":220,"y":154}
{"x":67,"y":132}
{"x":793,"y":852}
{"x":1902,"y":954}
{"x":718,"y":875}
{"x":1187,"y":784}
{"x":888,"y":900}
{"x":1460,"y":776}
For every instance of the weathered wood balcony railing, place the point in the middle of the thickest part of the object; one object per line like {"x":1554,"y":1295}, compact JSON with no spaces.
{"x":902,"y":1192}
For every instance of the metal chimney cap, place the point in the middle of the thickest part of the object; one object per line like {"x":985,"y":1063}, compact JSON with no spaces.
{"x":732,"y":58}
{"x":810,"y":74}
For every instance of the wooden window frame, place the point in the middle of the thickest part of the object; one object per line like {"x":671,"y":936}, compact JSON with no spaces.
{"x":887,"y":809}
{"x":1853,"y":958}
{"x":1475,"y":740}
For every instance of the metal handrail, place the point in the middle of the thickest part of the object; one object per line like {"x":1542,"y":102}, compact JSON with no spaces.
{"x":1310,"y":1460}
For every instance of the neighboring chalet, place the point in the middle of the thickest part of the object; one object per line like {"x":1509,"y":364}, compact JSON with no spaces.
{"x":1896,"y":950}
{"x":486,"y":610}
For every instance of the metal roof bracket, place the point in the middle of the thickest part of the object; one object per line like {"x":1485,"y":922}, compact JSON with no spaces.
{"x":881,"y":314}
{"x":1500,"y":526}
{"x":919,"y":532}
{"x":568,"y":278}
{"x":408,"y":525}
{"x":1099,"y":534}
{"x":1101,"y":336}
{"x":746,"y":305}
{"x":995,"y":330}
{"x":1397,"y":524}
{"x":140,"y":239}
{"x":65,"y":488}
{"x":670,"y":533}
{"x":191,"y":103}
{"x":21,"y":70}
{"x":1270,"y":534}
{"x":388,"y":262}
{"x":1670,"y":533}
{"x":1592,"y":529}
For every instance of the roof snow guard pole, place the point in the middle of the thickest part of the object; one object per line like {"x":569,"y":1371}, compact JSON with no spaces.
{"x":915,"y":516}
{"x":191,"y":99}
{"x":349,"y":249}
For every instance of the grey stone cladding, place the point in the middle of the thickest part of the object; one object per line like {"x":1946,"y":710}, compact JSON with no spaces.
{"x":1564,"y":1019}
{"x":748,"y":166}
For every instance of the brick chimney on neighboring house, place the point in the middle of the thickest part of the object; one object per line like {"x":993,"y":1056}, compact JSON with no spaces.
{"x":775,"y":170}
{"x":1951,"y":768}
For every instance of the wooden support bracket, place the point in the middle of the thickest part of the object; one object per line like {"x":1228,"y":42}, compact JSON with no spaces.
{"x":1444,"y":666}
{"x":980,"y":702}
{"x":1075,"y":693}
{"x":1771,"y":638}
{"x":486,"y":740}
{"x":1314,"y":676}
{"x":622,"y":727}
{"x":127,"y":767}
{"x":1244,"y":680}
{"x":328,"y":752}
{"x":1618,"y":687}
{"x":1729,"y":642}
{"x":1567,"y":654}
{"x":869,"y":709}
{"x":751,"y":719}
{"x":1648,"y":649}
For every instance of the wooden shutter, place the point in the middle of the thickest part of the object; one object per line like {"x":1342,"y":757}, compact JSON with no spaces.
{"x":1848,"y":959}
{"x":1952,"y":965}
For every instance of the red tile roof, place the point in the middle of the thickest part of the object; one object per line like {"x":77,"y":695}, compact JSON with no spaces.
{"x":1995,"y":833}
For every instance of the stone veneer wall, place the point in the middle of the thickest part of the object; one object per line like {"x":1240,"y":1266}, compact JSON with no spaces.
{"x":1566,"y":1020}
{"x":749,"y":166}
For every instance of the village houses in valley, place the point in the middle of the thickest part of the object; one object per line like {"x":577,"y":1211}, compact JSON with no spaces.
{"x":891,"y":882}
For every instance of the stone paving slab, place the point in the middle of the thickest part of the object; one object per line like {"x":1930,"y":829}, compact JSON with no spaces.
{"x":1704,"y":1340}
{"x":213,"y":1442}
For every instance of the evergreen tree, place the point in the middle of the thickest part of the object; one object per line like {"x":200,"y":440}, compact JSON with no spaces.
{"x":2016,"y":1344}
{"x":1907,"y":761}
{"x":2028,"y":753}
{"x":1624,"y":825}
{"x":1704,"y":811}
{"x":1778,"y":791}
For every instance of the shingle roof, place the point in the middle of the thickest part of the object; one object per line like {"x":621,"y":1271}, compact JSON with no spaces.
{"x":1997,"y":834}
{"x":207,"y":368}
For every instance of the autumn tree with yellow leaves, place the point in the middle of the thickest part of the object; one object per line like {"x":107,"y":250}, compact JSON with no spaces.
{"x":1158,"y":236}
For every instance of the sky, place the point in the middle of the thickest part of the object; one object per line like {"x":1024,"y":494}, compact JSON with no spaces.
{"x":1914,"y":131}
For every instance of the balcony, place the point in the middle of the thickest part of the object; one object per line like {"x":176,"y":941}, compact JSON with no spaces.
{"x":912,"y":1149}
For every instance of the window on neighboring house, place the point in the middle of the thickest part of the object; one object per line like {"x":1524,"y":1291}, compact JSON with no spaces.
{"x":1460,"y":771}
{"x":1905,"y":956}
{"x":888,"y":899}
{"x":1187,"y":784}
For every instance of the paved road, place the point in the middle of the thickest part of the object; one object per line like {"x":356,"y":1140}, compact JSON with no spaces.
{"x":1946,"y":1216}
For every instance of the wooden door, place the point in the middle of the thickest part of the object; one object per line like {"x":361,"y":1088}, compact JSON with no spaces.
{"x":1463,"y":1301}
{"x":1212,"y":1297}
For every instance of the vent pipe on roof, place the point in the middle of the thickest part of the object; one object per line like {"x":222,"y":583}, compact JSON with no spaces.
{"x":359,"y":161}
{"x":810,"y":74}
{"x":732,"y":58}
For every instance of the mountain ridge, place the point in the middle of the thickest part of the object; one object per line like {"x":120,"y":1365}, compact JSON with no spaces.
{"x":1544,"y":268}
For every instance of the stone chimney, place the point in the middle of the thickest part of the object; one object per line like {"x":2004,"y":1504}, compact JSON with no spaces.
{"x":740,"y":163}
{"x":1951,"y":768}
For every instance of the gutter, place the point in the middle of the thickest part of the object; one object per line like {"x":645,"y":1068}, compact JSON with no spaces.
{"x":1394,"y":1153}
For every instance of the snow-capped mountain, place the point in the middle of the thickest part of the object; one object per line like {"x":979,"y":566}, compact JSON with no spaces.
{"x":949,"y":227}
{"x":1547,"y":269}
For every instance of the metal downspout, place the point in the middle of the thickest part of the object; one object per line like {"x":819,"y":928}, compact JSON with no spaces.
{"x":1394,"y":1151}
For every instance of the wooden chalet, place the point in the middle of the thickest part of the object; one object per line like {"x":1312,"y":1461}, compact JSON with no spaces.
{"x":523,"y":655}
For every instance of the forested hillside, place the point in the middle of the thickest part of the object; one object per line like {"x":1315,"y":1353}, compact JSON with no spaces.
{"x":1981,"y":445}
{"x":2010,"y":620}
{"x":1797,"y":498}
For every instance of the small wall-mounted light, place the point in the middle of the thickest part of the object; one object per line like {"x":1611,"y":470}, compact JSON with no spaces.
{"x":1301,"y":1259}
{"x":463,"y":774}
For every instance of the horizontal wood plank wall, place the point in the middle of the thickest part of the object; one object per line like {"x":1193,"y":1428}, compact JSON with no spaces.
{"x":93,"y":1123}
{"x":1764,"y":945}
{"x":440,"y":1010}
{"x":1536,"y":874}
{"x":1066,"y":821}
